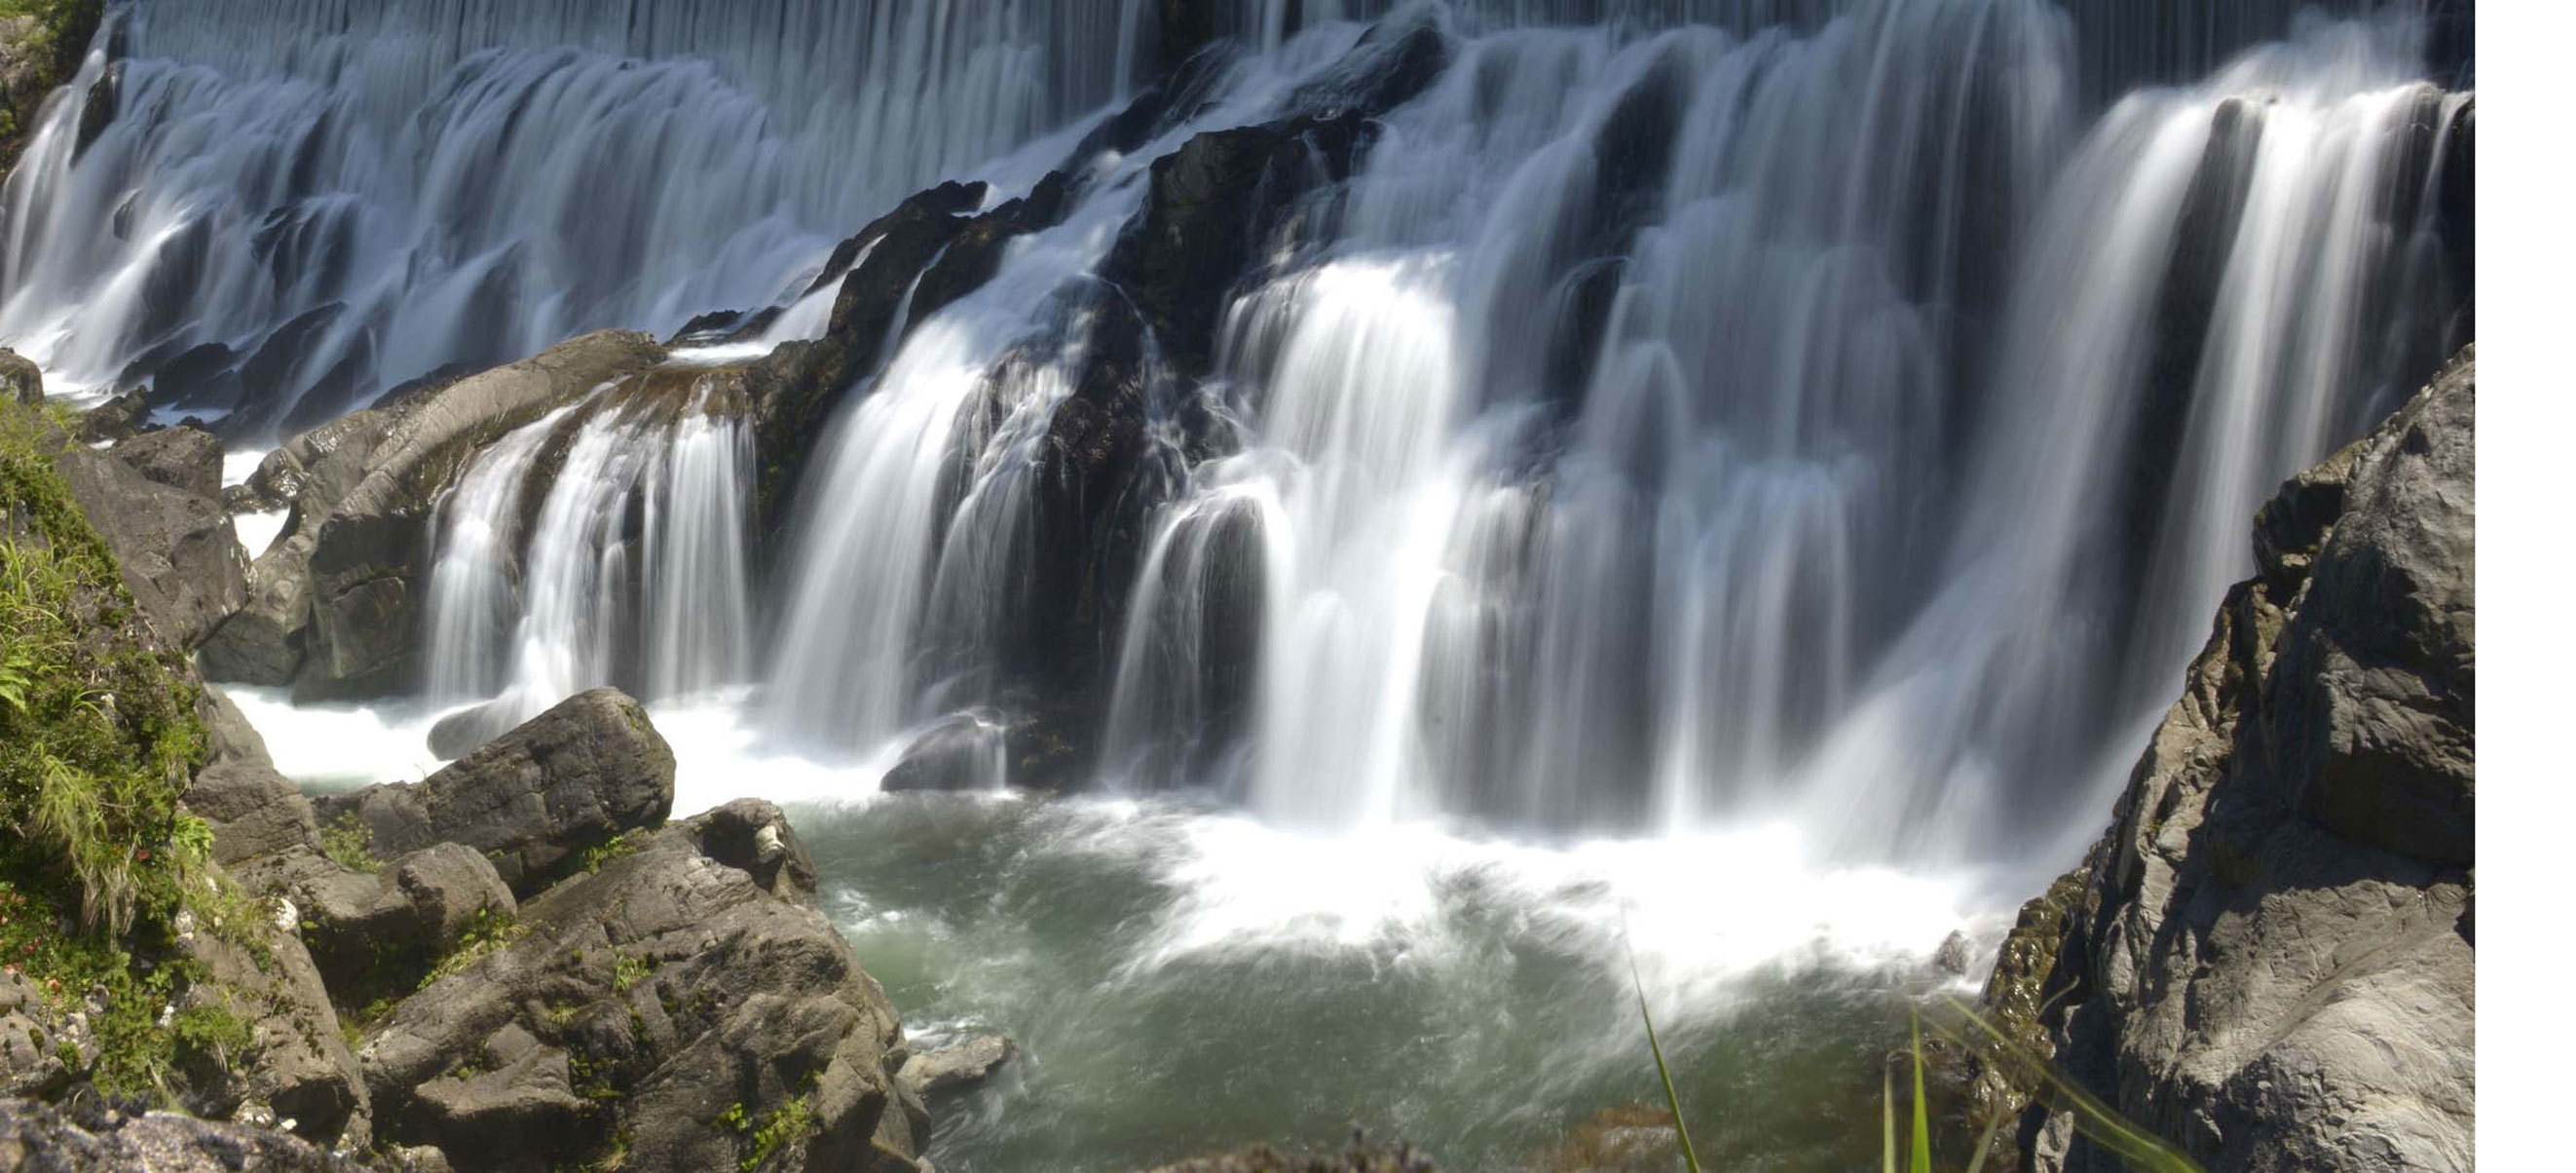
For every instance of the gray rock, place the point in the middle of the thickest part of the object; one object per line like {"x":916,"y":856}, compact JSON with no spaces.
{"x":185,"y":459}
{"x":229,"y":734}
{"x":640,"y":1002}
{"x":177,"y":549}
{"x":570,"y":779}
{"x":955,"y":1068}
{"x":262,"y":643}
{"x":41,"y":1138}
{"x":255,"y":811}
{"x":2270,"y":958}
{"x":298,"y":1064}
{"x":119,"y":418}
{"x":378,"y":933}
{"x":20,"y":378}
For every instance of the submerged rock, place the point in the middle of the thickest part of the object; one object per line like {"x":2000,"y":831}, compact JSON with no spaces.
{"x":958,"y":1067}
{"x":2270,"y":958}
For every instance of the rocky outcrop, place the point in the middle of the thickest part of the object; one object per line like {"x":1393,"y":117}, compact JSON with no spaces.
{"x":335,"y":605}
{"x":569,"y":780}
{"x":2270,"y":958}
{"x":683,"y":1005}
{"x":186,"y":459}
{"x":96,"y":1137}
{"x":177,"y":548}
{"x":20,"y":378}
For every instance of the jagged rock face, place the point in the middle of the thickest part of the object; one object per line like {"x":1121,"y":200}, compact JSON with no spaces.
{"x":41,"y":1138}
{"x":643,"y":1002}
{"x":176,"y":548}
{"x":570,"y":779}
{"x":2270,"y":959}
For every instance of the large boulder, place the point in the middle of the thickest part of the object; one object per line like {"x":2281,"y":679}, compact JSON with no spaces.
{"x":118,"y":418}
{"x":177,"y":549}
{"x":186,"y":459}
{"x":2270,"y":958}
{"x":534,"y":799}
{"x":376,"y":927}
{"x":20,"y":378}
{"x":636,"y":1009}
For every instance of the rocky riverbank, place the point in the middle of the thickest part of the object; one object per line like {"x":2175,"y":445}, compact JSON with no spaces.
{"x":517,"y":962}
{"x":2270,"y":958}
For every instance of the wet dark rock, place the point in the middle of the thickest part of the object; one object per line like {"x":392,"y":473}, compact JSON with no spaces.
{"x":20,"y":378}
{"x":185,"y":459}
{"x":462,"y":732}
{"x":569,"y":780}
{"x":99,"y":107}
{"x":120,"y":417}
{"x":638,"y":1003}
{"x":2270,"y":957}
{"x":965,"y":752}
{"x":267,"y":375}
{"x":201,"y":377}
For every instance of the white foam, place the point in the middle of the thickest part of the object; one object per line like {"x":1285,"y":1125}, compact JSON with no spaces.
{"x":258,"y":530}
{"x":340,"y":746}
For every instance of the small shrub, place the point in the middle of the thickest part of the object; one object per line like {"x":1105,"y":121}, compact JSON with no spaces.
{"x":350,"y":843}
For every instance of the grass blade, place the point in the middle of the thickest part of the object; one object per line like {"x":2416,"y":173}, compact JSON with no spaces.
{"x":1887,"y":1116}
{"x":2099,"y":1122}
{"x":1986,"y":1143}
{"x":1922,"y":1161}
{"x":1672,"y":1098}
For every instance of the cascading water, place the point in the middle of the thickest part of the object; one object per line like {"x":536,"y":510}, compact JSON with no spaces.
{"x":606,"y":543}
{"x":1686,"y":448}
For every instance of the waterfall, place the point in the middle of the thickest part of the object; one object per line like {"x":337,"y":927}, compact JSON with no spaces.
{"x":605,"y":543}
{"x":1675,"y":413}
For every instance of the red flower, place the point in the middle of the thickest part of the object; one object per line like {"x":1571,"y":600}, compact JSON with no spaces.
{"x":142,"y":853}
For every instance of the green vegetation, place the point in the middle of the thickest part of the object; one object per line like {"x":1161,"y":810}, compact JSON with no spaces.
{"x":350,"y":843}
{"x":631,"y":968}
{"x":788,"y":1124}
{"x":490,"y":933}
{"x":623,"y":845}
{"x":62,"y":35}
{"x":102,"y":875}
